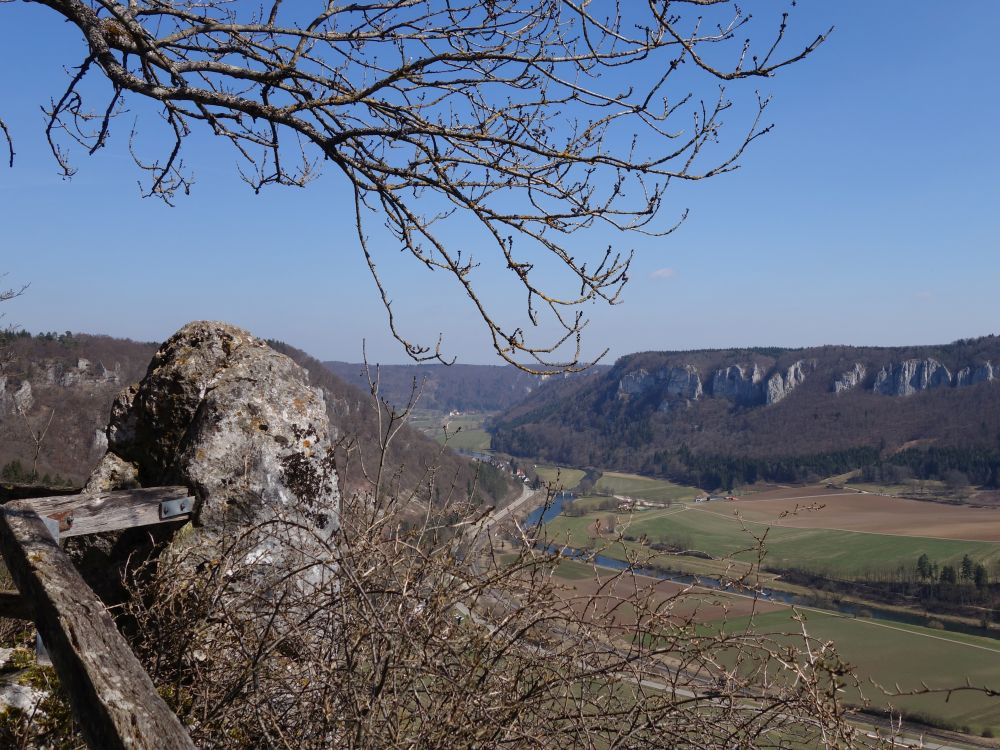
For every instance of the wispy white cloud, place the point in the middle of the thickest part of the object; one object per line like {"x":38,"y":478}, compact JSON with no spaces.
{"x":663,"y":273}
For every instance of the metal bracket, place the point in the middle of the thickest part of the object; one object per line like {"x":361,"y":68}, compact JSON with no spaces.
{"x":52,"y":526}
{"x":182,"y":506}
{"x":42,"y":653}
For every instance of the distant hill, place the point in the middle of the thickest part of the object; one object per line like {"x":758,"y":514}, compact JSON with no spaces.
{"x":708,"y":415}
{"x":482,"y":388}
{"x":413,"y":456}
{"x":72,"y":379}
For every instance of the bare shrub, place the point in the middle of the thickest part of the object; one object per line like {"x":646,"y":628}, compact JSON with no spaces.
{"x":428,"y":636}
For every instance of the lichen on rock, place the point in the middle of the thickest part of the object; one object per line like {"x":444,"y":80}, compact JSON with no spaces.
{"x":222,"y":413}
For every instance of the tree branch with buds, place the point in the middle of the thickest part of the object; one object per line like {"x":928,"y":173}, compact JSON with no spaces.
{"x":523,"y":122}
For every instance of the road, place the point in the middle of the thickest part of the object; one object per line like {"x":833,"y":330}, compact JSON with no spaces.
{"x":527,"y":494}
{"x":481,"y":533}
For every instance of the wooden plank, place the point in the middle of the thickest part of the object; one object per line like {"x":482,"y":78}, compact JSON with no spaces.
{"x":108,"y":511}
{"x":112,"y":697}
{"x":15,"y":607}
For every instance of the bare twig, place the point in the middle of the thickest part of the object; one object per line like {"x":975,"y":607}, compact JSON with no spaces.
{"x":37,"y":435}
{"x":428,"y":637}
{"x":483,"y":136}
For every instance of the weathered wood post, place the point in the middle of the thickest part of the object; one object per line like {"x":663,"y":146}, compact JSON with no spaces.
{"x":113,"y":699}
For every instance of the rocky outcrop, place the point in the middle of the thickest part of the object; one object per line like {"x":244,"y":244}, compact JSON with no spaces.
{"x":851,"y":379}
{"x":23,"y":398}
{"x":222,"y":413}
{"x":14,"y":400}
{"x":747,"y":385}
{"x":634,"y":383}
{"x":910,"y":376}
{"x":112,"y":473}
{"x":739,"y":386}
{"x":669,"y":382}
{"x":974,"y":375}
{"x":683,"y":382}
{"x":779,"y":385}
{"x":83,"y":374}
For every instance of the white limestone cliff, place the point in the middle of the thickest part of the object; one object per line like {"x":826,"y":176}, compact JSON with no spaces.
{"x":911,"y":376}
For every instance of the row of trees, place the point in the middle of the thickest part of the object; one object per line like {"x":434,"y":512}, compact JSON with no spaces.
{"x":978,"y":465}
{"x":712,"y":472}
{"x":12,"y":334}
{"x":575,"y":509}
{"x":967,"y":588}
{"x":956,"y":466}
{"x":968,"y":572}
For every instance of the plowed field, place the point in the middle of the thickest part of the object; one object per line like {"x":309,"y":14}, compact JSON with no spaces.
{"x":823,"y":508}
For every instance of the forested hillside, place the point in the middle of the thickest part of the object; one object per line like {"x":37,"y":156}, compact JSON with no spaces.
{"x":56,"y":392}
{"x":412,"y":458}
{"x":714,"y":417}
{"x":55,"y":397}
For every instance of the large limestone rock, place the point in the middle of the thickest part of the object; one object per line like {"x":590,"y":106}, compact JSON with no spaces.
{"x":851,"y":379}
{"x":683,"y":382}
{"x":974,"y":375}
{"x":737,"y":385}
{"x":222,"y":413}
{"x":910,"y":376}
{"x":673,"y":384}
{"x":634,"y":383}
{"x":779,"y":385}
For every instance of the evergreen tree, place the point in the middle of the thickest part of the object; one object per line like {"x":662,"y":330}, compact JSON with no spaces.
{"x":968,"y":568}
{"x":948,"y":575}
{"x":981,"y":577}
{"x":924,"y":569}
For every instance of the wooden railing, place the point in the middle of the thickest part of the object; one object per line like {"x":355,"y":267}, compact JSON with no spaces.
{"x":113,"y":699}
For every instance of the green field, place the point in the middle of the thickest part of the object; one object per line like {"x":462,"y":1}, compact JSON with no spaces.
{"x":426,"y":420}
{"x":465,"y":431}
{"x":891,"y":653}
{"x":560,"y":477}
{"x":592,"y":503}
{"x":657,"y":490}
{"x":470,"y":439}
{"x":832,"y":552}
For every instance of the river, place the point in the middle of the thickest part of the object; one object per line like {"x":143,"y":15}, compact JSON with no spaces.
{"x":547,"y":513}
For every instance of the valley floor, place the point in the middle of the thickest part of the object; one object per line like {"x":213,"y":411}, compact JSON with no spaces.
{"x":840,"y":532}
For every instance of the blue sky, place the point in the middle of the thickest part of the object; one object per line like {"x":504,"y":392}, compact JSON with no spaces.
{"x":871,"y":215}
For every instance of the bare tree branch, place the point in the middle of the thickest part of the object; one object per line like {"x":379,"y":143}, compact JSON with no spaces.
{"x":513,"y":124}
{"x":10,"y":143}
{"x":37,"y":434}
